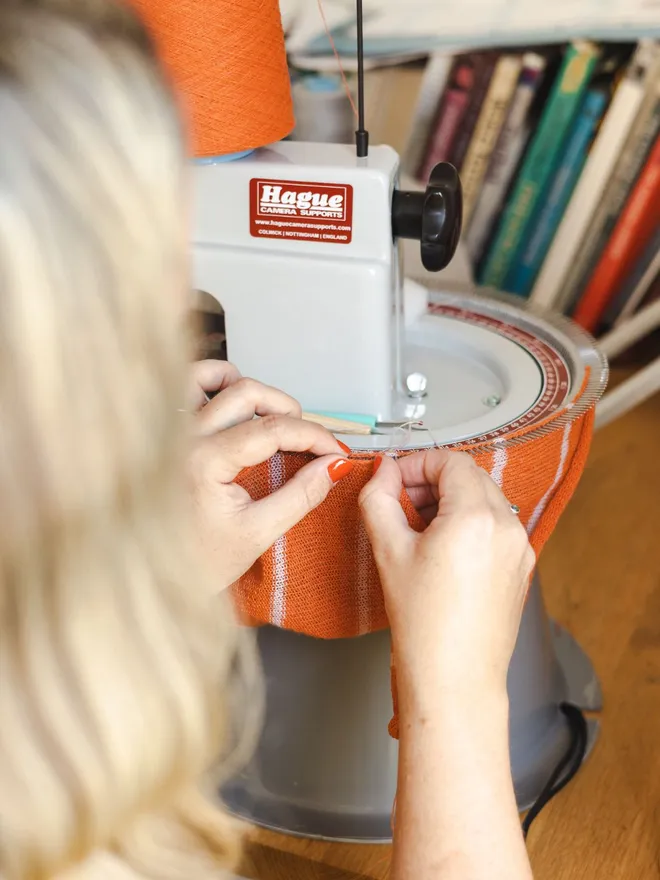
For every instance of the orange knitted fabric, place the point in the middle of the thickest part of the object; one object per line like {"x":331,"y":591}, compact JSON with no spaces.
{"x":320,"y":579}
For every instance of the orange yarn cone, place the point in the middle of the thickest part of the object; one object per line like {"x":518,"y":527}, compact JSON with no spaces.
{"x":228,"y":61}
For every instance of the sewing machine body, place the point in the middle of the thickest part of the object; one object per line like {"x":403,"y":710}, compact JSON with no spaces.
{"x":295,"y":242}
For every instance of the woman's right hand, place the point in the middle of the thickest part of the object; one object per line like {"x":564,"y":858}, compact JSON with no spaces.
{"x":454,"y":596}
{"x":454,"y":593}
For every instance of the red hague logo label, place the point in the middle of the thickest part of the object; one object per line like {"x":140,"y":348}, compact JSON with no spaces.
{"x":301,"y":210}
{"x":294,"y":200}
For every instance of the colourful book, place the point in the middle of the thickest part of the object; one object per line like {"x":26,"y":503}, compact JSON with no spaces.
{"x":489,"y":125}
{"x":638,"y":222}
{"x":591,"y":187}
{"x":483,"y":65}
{"x":538,"y":238}
{"x":538,"y":235}
{"x":634,"y":153}
{"x":430,"y":92}
{"x":506,"y":156}
{"x":562,"y":107}
{"x":636,"y":285}
{"x":594,"y":245}
{"x":450,"y":115}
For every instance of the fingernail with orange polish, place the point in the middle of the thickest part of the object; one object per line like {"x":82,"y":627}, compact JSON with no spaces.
{"x":377,"y":462}
{"x":344,"y":448}
{"x":340,"y":469}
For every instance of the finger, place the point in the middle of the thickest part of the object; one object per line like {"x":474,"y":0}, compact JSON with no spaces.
{"x":459,"y":473}
{"x":271,"y":517}
{"x":428,"y":514}
{"x":496,"y":498}
{"x":454,"y":478}
{"x":389,"y":532}
{"x":210,"y":376}
{"x":423,"y":468}
{"x":424,"y":502}
{"x":243,"y":400}
{"x":423,"y":496}
{"x":254,"y":442}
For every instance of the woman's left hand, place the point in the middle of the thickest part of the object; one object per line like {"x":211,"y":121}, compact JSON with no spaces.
{"x":209,"y":377}
{"x":233,"y":529}
{"x":236,"y":399}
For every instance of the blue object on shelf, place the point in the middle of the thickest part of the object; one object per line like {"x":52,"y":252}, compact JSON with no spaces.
{"x":228,"y":157}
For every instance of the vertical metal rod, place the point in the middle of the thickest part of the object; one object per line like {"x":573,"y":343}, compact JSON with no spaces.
{"x":361,"y":135}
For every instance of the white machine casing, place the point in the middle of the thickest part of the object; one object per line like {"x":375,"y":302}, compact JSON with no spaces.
{"x":319,"y":318}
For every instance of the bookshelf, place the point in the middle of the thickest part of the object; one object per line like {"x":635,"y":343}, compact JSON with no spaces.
{"x":646,"y":382}
{"x":558,"y":147}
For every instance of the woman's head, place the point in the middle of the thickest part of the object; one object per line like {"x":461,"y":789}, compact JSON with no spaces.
{"x":111,"y":660}
{"x":91,"y":237}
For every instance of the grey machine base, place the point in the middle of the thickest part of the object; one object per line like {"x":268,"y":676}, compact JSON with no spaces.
{"x":325,"y":766}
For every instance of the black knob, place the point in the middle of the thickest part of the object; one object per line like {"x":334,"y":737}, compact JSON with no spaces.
{"x":432,"y":217}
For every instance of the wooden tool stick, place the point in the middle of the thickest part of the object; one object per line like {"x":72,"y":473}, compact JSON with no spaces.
{"x":337,"y":426}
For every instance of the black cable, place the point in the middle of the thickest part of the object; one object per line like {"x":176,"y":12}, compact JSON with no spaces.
{"x":567,"y":767}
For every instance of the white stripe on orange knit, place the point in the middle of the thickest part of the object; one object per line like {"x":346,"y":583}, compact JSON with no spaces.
{"x":540,"y":507}
{"x":280,"y":572}
{"x":500,"y":458}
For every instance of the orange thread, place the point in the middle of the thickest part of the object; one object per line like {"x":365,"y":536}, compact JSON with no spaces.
{"x":227,"y":59}
{"x":331,"y":40}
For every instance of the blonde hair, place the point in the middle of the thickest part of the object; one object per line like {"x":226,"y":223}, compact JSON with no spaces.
{"x":115,"y":666}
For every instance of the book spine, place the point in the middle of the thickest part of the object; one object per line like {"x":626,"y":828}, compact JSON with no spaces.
{"x":560,"y":111}
{"x":589,"y":191}
{"x":488,"y":127}
{"x":428,"y":100}
{"x":638,"y":222}
{"x":450,"y":115}
{"x":636,"y":285}
{"x":483,"y":66}
{"x":567,"y":299}
{"x":596,"y":240}
{"x":630,"y":162}
{"x":639,"y":281}
{"x":506,"y":155}
{"x":542,"y":229}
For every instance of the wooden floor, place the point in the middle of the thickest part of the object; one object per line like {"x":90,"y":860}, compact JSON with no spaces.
{"x":601,"y":579}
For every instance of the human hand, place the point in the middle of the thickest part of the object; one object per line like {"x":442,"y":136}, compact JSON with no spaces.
{"x":454,"y":593}
{"x":209,"y":377}
{"x":233,"y":529}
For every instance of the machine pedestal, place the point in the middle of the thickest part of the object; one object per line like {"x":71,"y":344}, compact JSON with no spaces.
{"x":325,"y":766}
